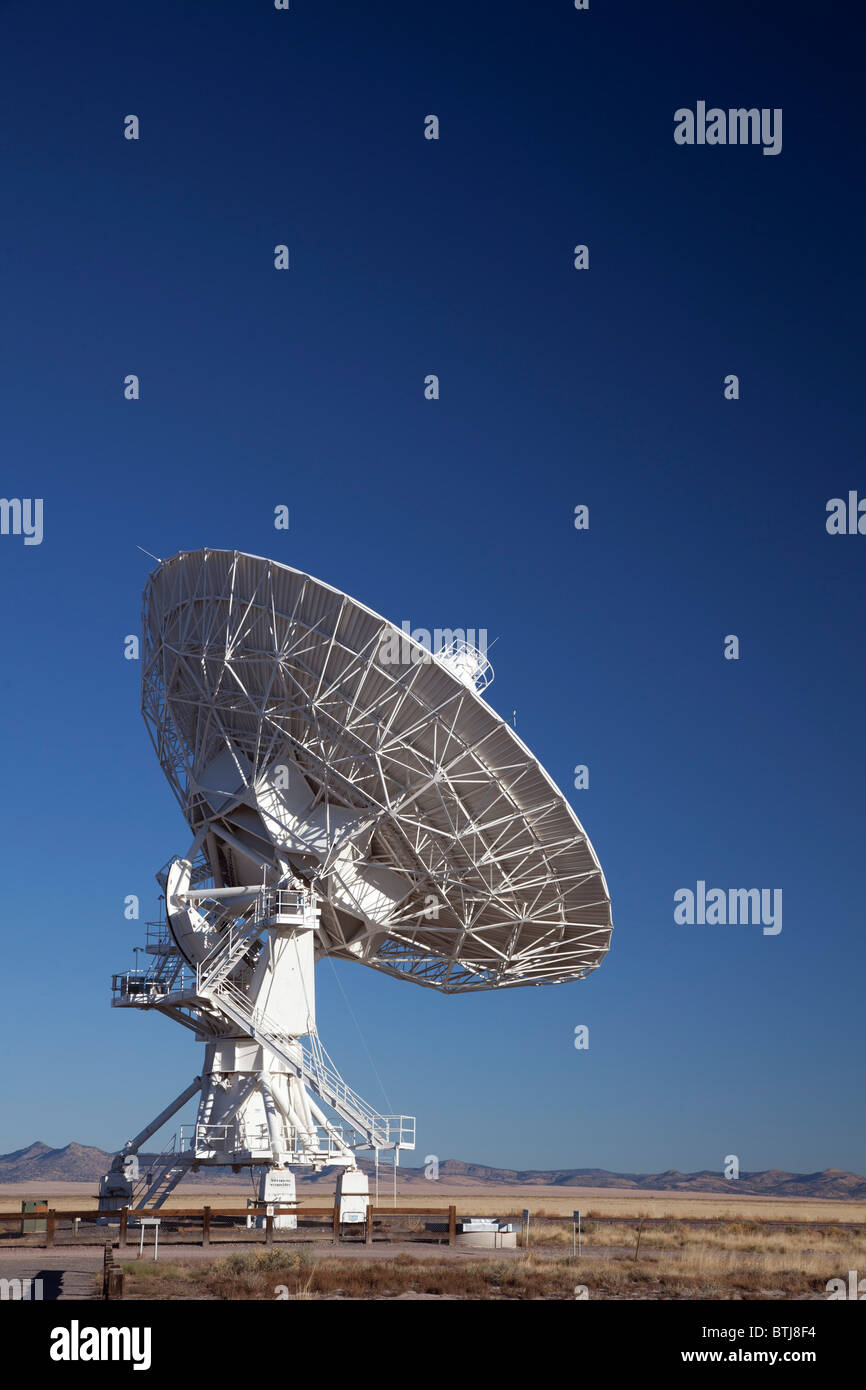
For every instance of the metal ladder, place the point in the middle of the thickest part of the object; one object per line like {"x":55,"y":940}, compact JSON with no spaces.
{"x":164,"y":1176}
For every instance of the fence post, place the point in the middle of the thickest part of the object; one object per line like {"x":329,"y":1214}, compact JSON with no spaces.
{"x":337,"y":1222}
{"x":124,"y":1224}
{"x":368,"y":1225}
{"x":452,"y":1225}
{"x":205,"y":1226}
{"x":112,"y":1274}
{"x":50,"y":1227}
{"x":269,"y":1227}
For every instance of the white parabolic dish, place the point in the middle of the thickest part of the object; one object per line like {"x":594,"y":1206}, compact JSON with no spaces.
{"x":440,"y":849}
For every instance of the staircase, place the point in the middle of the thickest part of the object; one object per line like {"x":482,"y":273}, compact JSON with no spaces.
{"x":161,"y":1177}
{"x":286,"y":906}
{"x":228,"y":951}
{"x":313,"y":1066}
{"x":215,"y":1000}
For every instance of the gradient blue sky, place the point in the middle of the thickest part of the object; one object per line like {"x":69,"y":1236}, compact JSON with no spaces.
{"x":557,"y":388}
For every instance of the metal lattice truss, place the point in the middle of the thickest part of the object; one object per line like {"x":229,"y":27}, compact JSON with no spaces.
{"x":442,"y":851}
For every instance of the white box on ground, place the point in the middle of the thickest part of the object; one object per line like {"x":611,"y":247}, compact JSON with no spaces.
{"x":277,"y":1188}
{"x":353,"y":1194}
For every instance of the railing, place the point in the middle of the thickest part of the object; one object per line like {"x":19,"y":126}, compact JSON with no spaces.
{"x":170,"y":975}
{"x":232,"y":1137}
{"x":386,"y":1131}
{"x":400,"y":1131}
{"x":158,"y":940}
{"x":283,"y":902}
{"x":188,"y":1224}
{"x":295,"y":904}
{"x":196,"y":1223}
{"x":239,"y":1138}
{"x":319,"y":1067}
{"x":225,"y":955}
{"x":316,"y":1067}
{"x":136,"y":986}
{"x":143,"y":987}
{"x":152,"y":1175}
{"x":469,"y":663}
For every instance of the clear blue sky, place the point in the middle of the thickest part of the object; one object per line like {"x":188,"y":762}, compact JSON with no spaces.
{"x":558,"y":387}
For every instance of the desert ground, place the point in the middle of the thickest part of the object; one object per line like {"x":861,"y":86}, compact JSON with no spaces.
{"x":506,"y":1202}
{"x":656,"y":1246}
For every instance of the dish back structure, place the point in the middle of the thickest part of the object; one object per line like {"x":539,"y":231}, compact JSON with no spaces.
{"x":349,"y":793}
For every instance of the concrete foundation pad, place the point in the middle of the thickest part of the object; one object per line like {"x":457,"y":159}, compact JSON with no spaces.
{"x":488,"y":1240}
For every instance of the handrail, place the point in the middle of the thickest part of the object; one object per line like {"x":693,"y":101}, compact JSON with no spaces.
{"x":211,"y":981}
{"x":316,"y":1067}
{"x":271,"y":902}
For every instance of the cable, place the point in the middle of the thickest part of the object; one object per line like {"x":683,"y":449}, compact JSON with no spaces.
{"x":361,"y":1036}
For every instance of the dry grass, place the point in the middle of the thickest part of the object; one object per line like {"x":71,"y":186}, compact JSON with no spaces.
{"x":663,"y":1204}
{"x":247,"y":1277}
{"x":706,"y":1274}
{"x":740,"y":1259}
{"x":735,"y":1236}
{"x":505,"y":1202}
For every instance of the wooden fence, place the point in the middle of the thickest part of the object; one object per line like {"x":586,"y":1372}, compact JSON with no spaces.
{"x":205,"y":1219}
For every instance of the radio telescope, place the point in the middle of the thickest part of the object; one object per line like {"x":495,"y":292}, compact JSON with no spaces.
{"x":348,"y":794}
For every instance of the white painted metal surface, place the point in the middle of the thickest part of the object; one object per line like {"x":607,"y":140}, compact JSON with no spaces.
{"x":353,"y":1195}
{"x":342,"y":801}
{"x":442,"y":850}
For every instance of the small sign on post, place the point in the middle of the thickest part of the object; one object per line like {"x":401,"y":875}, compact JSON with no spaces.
{"x":152,"y":1221}
{"x":526,"y":1228}
{"x":575,"y":1233}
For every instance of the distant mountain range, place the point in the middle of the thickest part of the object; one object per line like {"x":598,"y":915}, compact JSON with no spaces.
{"x":831,"y":1183}
{"x":81,"y":1163}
